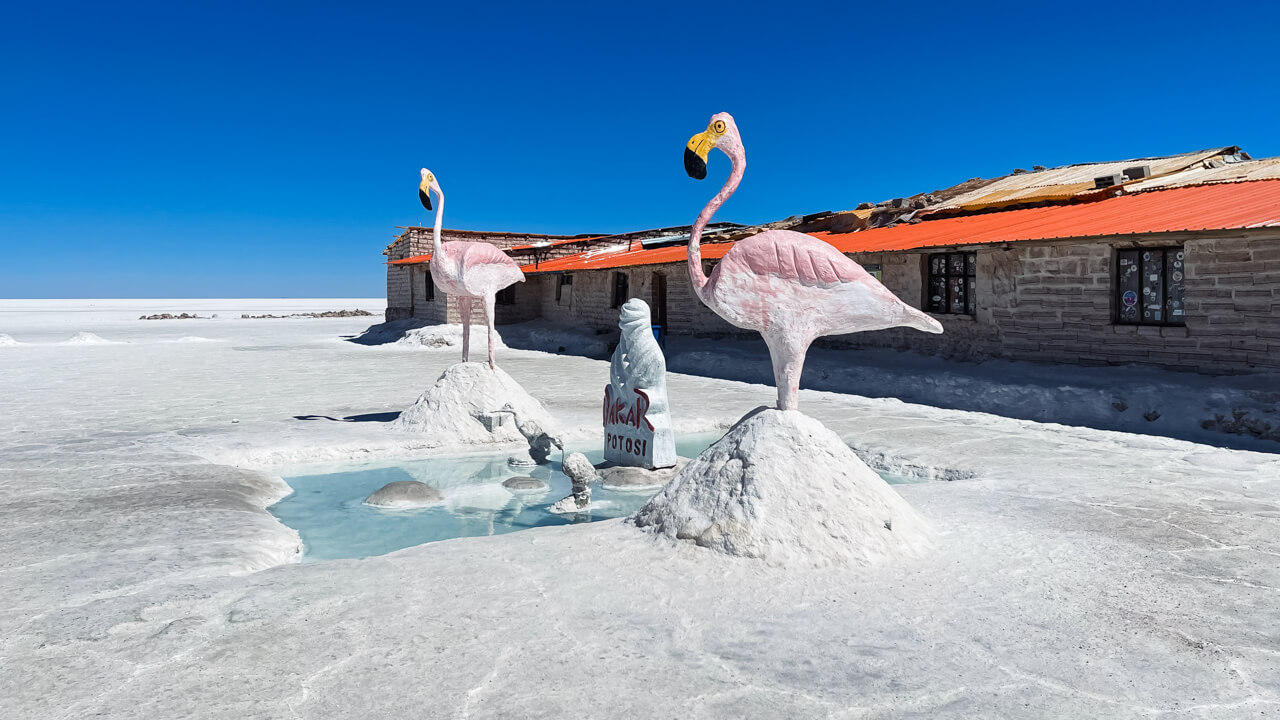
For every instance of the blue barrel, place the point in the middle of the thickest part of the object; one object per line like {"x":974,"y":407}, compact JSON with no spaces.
{"x":660,"y":334}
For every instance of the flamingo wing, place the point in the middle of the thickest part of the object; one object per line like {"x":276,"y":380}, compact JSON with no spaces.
{"x":794,"y":256}
{"x":484,"y":268}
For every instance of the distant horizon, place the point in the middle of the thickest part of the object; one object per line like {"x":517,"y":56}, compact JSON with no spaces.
{"x":228,"y":297}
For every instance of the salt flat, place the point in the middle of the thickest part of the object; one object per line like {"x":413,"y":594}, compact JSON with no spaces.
{"x":1080,"y":573}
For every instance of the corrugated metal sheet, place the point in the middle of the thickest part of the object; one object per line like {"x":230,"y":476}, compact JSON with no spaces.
{"x":555,"y":243}
{"x":626,"y":258}
{"x":1260,"y":169}
{"x":415,"y":260}
{"x":1063,"y":183}
{"x":1199,"y":207}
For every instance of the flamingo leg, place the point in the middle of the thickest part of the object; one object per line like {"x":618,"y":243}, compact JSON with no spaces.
{"x":464,"y":309}
{"x":488,"y":315}
{"x":787,"y":354}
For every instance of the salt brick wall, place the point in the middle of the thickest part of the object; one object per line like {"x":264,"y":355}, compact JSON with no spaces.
{"x":1053,"y":302}
{"x":1041,"y":301}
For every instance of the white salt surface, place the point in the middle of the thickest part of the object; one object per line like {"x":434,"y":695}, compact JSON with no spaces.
{"x":1077,"y":573}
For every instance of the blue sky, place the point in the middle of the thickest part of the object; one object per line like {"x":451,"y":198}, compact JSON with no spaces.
{"x":269,"y":149}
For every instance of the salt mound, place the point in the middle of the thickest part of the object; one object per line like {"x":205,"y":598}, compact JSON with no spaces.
{"x":87,"y":338}
{"x":404,"y":495}
{"x":781,"y":487}
{"x":462,"y":408}
{"x":6,"y":340}
{"x":444,"y":337}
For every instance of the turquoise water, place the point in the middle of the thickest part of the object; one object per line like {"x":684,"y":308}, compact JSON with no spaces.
{"x":329,"y":513}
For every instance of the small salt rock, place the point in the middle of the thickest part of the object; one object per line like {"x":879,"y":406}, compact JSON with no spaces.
{"x":521,"y":462}
{"x":234,"y":421}
{"x":524,"y":483}
{"x":404,"y":494}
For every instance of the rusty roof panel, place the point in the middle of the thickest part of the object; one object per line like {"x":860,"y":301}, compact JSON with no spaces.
{"x":1065,"y":182}
{"x":1260,"y":169}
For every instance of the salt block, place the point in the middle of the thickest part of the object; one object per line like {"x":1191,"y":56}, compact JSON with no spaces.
{"x":622,"y":477}
{"x":404,"y":494}
{"x":781,"y":487}
{"x":462,"y":408}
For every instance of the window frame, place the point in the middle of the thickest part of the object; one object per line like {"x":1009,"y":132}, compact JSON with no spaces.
{"x":968,"y":277}
{"x":430,"y":287}
{"x":565,"y":280}
{"x":1172,"y":267}
{"x":621,"y":282}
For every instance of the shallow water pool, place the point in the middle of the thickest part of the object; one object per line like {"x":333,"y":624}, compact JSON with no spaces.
{"x":329,"y":513}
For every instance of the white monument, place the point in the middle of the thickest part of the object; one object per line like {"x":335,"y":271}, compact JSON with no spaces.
{"x":637,"y":423}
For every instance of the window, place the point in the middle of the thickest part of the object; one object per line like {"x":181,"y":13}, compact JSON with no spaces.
{"x":430,"y":294}
{"x":564,"y":289}
{"x":952,"y":288}
{"x":507,"y":295}
{"x":621,"y":289}
{"x":1149,"y":286}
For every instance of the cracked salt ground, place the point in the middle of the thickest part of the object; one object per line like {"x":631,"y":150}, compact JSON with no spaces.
{"x":1078,"y":573}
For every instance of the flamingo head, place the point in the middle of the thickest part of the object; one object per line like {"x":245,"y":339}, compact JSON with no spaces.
{"x":426,"y":186}
{"x":722,"y":133}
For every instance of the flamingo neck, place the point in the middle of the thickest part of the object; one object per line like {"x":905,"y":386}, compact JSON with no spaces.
{"x":739,"y":160}
{"x":435,"y":240}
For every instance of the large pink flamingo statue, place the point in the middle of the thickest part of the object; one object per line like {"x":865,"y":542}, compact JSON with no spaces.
{"x":467,"y":270}
{"x":790,"y":287}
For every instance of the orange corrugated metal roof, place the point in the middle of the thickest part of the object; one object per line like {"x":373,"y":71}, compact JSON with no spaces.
{"x":1202,"y":207}
{"x":415,"y":260}
{"x":601,"y":259}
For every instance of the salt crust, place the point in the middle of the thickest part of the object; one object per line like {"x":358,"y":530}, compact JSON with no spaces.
{"x":781,"y":487}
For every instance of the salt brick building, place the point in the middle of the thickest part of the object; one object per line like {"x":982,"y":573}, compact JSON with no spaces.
{"x":1169,"y":262}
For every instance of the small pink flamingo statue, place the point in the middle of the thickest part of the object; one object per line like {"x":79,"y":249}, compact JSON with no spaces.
{"x":790,"y":287}
{"x":467,"y":270}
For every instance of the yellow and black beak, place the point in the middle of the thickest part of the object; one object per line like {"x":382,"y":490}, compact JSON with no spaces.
{"x":695,"y":155}
{"x":424,"y":194}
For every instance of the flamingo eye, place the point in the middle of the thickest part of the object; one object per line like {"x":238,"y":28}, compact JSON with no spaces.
{"x":718,"y":127}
